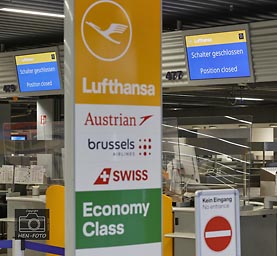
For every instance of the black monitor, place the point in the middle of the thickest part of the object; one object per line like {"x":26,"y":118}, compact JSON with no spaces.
{"x":218,"y":55}
{"x":38,"y":71}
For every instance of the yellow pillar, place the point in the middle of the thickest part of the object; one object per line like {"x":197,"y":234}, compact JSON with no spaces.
{"x":167,"y":226}
{"x":55,"y":204}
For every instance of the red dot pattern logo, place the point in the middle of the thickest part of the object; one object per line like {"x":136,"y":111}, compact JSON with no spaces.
{"x":145,"y":147}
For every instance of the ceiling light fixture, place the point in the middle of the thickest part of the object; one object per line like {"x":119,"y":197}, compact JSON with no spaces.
{"x":179,"y":95}
{"x":239,"y":120}
{"x":250,"y":99}
{"x":273,"y":125}
{"x":47,"y":14}
{"x":243,"y":126}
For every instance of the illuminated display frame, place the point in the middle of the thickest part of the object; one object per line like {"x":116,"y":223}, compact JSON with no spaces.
{"x":18,"y":137}
{"x":55,"y":49}
{"x":225,"y":80}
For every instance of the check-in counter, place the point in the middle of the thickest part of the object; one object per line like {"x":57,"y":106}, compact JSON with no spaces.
{"x":258,"y":231}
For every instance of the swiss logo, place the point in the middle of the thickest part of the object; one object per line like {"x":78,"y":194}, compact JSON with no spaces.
{"x":108,"y":175}
{"x":106,"y":30}
{"x":104,"y":177}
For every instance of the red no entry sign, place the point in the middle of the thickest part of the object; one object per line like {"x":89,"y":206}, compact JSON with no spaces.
{"x":217,"y":222}
{"x":218,"y":233}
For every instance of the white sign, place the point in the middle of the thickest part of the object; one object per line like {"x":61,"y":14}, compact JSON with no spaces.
{"x":6,"y":174}
{"x":217,"y":222}
{"x":27,"y":175}
{"x":121,"y":143}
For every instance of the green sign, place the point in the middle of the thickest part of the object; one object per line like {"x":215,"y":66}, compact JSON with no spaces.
{"x":117,"y":218}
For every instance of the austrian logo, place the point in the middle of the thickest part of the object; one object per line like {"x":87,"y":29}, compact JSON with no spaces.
{"x":116,"y":120}
{"x":106,"y":30}
{"x":108,"y":175}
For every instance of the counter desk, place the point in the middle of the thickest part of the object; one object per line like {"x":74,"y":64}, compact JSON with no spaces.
{"x":258,"y":231}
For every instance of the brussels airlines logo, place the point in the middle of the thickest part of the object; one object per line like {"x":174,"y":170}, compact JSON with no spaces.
{"x":107,"y":175}
{"x":123,"y":148}
{"x":106,"y":30}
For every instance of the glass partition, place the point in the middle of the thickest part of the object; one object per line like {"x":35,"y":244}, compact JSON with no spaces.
{"x":32,"y":156}
{"x":208,"y":153}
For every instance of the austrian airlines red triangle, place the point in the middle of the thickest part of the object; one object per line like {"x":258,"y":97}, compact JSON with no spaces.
{"x":144,"y":119}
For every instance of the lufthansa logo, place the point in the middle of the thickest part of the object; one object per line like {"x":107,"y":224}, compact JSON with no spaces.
{"x":106,"y":30}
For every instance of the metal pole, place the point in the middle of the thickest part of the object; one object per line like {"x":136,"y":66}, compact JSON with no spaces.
{"x":16,"y":250}
{"x":245,"y":178}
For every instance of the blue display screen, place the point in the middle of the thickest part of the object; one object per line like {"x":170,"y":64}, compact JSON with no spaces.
{"x":218,"y":55}
{"x":38,"y":72}
{"x":18,"y":137}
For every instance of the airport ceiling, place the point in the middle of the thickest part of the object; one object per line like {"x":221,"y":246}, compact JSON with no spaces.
{"x":19,"y":31}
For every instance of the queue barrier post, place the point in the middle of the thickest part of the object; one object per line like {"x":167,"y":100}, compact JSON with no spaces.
{"x":17,"y":249}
